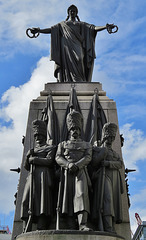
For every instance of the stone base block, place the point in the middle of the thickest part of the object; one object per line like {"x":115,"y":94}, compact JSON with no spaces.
{"x":68,"y":235}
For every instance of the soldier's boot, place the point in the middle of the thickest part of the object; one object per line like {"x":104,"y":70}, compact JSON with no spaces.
{"x":24,"y":225}
{"x":43,"y":222}
{"x":71,"y":223}
{"x":82,"y":221}
{"x":108,"y":224}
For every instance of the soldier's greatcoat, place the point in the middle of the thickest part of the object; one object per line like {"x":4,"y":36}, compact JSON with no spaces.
{"x":42,"y":182}
{"x":75,"y":197}
{"x":110,"y":184}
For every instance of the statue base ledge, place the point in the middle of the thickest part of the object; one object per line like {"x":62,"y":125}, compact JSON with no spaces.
{"x":68,"y":235}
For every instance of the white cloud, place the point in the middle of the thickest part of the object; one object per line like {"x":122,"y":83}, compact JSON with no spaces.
{"x":136,"y":58}
{"x":139,"y":198}
{"x":134,"y":148}
{"x":16,"y":111}
{"x":109,"y":85}
{"x":134,"y":151}
{"x":134,"y":111}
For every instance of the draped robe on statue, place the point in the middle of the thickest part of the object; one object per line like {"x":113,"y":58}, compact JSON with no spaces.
{"x":73,"y":50}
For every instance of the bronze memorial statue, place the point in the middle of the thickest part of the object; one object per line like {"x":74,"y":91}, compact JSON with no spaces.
{"x":73,"y":156}
{"x":107,"y":184}
{"x":37,"y":202}
{"x":72,"y":46}
{"x":77,"y":185}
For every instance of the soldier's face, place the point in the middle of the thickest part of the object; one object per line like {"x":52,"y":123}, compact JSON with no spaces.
{"x":39,"y":138}
{"x":109,"y":140}
{"x":75,"y":132}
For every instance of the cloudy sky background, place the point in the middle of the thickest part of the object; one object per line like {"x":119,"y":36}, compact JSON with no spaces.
{"x":25,"y":67}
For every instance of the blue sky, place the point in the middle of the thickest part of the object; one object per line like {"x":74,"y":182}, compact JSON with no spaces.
{"x":119,"y":66}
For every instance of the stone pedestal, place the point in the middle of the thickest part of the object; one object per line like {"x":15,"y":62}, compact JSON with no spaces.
{"x":68,"y":235}
{"x":60,"y":93}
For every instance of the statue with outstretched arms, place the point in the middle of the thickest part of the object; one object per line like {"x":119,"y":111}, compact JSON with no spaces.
{"x":72,"y":46}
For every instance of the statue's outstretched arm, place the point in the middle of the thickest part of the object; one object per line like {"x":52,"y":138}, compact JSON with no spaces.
{"x":34,"y":32}
{"x":109,"y":28}
{"x":45,"y":30}
{"x":100,"y":28}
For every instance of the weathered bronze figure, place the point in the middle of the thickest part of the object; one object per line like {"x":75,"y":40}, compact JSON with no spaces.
{"x":73,"y":156}
{"x":107,"y":184}
{"x":37,"y":202}
{"x":72,"y":47}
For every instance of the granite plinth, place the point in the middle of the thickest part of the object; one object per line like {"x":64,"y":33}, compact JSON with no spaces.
{"x":60,"y":94}
{"x":68,"y":235}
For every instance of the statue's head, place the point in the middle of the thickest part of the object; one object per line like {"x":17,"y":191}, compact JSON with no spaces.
{"x":72,"y":8}
{"x":109,"y":132}
{"x":72,"y":12}
{"x":74,"y":122}
{"x":40,"y":130}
